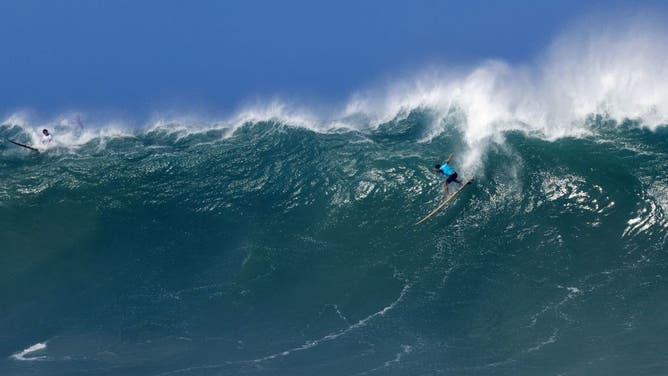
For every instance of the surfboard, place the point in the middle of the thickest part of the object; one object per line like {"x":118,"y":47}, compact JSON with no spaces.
{"x":23,"y":145}
{"x":445,"y":202}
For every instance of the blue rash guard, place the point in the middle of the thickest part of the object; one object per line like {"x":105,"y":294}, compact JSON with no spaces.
{"x":446,"y":169}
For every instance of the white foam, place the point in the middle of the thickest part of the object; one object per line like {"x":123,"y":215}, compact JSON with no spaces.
{"x":590,"y":69}
{"x":22,"y":356}
{"x":332,"y":336}
{"x":551,"y":339}
{"x":619,"y":73}
{"x":66,"y":133}
{"x":312,"y":343}
{"x":18,"y":118}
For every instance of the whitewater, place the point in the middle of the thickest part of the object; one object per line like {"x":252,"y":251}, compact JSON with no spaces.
{"x":280,"y":240}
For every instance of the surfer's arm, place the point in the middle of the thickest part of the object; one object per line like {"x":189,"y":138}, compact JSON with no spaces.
{"x":449,"y":158}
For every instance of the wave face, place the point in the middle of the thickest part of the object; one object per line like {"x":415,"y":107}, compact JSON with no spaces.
{"x":273,"y":249}
{"x":282,"y":241}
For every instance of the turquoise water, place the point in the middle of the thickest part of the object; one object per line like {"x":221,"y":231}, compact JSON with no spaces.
{"x":275,"y":249}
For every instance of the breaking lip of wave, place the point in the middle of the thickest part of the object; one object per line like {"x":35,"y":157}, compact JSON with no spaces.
{"x":590,"y":70}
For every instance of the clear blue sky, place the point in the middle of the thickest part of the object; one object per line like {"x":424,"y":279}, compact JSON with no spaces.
{"x":138,"y":56}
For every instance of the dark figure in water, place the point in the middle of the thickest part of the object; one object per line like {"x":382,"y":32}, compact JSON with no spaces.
{"x":448,"y":171}
{"x":46,"y":136}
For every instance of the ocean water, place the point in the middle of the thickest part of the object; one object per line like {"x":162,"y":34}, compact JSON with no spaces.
{"x":282,"y":240}
{"x":272,"y":249}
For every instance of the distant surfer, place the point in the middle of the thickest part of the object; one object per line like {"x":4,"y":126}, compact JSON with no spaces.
{"x":46,"y":136}
{"x":448,"y":171}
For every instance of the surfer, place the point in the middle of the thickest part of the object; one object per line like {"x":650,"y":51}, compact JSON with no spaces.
{"x":448,"y":171}
{"x":46,"y":136}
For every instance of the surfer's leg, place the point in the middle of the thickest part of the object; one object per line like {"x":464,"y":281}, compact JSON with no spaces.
{"x":454,"y":178}
{"x":450,"y":179}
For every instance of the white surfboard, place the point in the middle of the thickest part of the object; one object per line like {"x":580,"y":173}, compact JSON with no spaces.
{"x":445,"y":202}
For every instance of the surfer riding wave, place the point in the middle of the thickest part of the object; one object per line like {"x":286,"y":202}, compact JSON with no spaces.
{"x":448,"y":171}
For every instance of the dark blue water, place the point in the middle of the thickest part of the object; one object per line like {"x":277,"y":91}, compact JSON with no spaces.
{"x":278,"y":250}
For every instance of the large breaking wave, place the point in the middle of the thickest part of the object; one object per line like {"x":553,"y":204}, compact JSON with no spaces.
{"x":281,"y":240}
